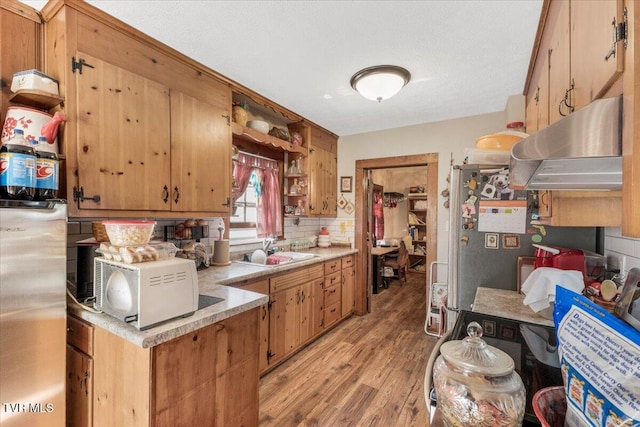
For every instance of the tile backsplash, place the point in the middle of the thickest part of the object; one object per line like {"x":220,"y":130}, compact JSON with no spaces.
{"x":621,"y":252}
{"x":340,"y":229}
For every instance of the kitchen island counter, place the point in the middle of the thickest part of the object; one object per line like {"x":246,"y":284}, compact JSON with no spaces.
{"x":507,"y":304}
{"x":211,"y":282}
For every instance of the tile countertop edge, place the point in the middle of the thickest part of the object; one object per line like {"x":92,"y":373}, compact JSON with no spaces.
{"x":211,"y":282}
{"x":507,"y":304}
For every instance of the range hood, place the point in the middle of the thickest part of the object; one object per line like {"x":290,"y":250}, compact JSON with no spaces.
{"x":583,"y":151}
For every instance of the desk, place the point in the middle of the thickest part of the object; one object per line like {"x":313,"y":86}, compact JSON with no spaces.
{"x":380,"y":250}
{"x":377,"y":263}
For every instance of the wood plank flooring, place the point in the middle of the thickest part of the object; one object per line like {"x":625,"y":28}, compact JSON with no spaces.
{"x":367,"y":371}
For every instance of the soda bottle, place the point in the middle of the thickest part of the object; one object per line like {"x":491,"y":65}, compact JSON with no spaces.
{"x":47,"y":165}
{"x":17,"y":168}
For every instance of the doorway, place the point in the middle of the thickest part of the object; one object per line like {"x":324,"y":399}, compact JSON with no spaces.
{"x":363,"y":236}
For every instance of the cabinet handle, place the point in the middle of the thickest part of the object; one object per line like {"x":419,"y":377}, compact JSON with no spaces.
{"x":298,"y":297}
{"x":165,"y":194}
{"x":303,"y":297}
{"x":228,"y":203}
{"x":264,"y":312}
{"x":176,"y":194}
{"x":565,"y":100}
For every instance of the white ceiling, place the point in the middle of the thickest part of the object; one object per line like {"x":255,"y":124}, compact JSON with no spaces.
{"x":466,"y":57}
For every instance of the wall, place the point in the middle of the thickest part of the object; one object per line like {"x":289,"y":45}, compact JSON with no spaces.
{"x":621,"y":252}
{"x":448,"y":138}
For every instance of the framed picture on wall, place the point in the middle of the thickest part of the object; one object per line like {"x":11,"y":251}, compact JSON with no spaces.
{"x":346,"y":183}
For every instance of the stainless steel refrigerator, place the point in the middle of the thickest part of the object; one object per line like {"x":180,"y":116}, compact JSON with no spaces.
{"x":33,"y":252}
{"x":490,"y":228}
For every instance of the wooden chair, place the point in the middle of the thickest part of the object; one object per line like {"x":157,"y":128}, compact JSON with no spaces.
{"x":399,"y":264}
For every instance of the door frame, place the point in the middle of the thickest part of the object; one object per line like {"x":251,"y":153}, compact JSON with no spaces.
{"x":363,"y":275}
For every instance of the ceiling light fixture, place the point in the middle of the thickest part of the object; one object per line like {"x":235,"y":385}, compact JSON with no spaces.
{"x":380,"y":82}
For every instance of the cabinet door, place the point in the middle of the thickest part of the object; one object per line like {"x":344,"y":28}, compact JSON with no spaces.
{"x":283,"y":317}
{"x":123,"y":138}
{"x":331,"y":183}
{"x":317,"y":296}
{"x":236,"y":396}
{"x":181,"y":399}
{"x":594,"y":65}
{"x":306,"y":311}
{"x":559,"y":64}
{"x":348,"y":290}
{"x":316,"y":189}
{"x":79,"y":388}
{"x":262,"y":287}
{"x":200,"y":155}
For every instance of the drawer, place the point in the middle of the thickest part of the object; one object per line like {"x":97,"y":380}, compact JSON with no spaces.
{"x":332,"y":295}
{"x":80,"y":335}
{"x":333,"y":279}
{"x":332,"y":314}
{"x":348,"y":261}
{"x":332,"y":266}
{"x":295,"y":278}
{"x":259,"y":286}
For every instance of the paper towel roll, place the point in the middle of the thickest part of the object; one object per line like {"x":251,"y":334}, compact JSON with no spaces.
{"x":221,"y":252}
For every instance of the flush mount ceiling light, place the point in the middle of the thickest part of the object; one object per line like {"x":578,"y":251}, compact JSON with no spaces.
{"x":380,"y":82}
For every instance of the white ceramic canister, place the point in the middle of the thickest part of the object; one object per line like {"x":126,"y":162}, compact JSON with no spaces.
{"x":31,"y":121}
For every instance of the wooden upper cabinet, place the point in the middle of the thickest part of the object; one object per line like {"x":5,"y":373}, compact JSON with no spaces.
{"x":537,"y":99}
{"x":559,"y":63}
{"x":147,"y":129}
{"x":596,"y":61}
{"x":20,"y":26}
{"x":200,"y":155}
{"x":323,"y":172}
{"x":123,"y":138}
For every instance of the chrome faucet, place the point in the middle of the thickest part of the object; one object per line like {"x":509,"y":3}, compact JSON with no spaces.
{"x":267,"y":242}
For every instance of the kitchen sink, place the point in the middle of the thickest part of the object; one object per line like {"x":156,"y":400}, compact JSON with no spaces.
{"x":295,"y":257}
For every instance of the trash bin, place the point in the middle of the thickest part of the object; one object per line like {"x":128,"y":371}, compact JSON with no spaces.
{"x":550,"y":406}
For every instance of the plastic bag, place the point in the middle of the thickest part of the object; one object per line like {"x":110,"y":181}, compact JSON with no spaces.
{"x":600,"y":363}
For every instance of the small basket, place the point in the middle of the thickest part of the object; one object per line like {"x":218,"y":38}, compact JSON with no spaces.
{"x":99,"y":231}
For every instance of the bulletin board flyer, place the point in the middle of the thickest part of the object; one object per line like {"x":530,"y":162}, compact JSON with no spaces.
{"x":600,"y":363}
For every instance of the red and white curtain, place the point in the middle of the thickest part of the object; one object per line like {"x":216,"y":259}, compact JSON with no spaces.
{"x":267,"y":187}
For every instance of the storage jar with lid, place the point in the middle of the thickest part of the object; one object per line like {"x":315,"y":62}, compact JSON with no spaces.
{"x":476,"y":384}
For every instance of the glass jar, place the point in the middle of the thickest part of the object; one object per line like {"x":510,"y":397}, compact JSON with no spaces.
{"x":476,"y":384}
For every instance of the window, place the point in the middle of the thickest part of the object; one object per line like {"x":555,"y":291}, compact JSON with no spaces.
{"x":245,"y":215}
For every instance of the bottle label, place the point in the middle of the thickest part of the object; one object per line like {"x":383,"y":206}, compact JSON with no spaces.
{"x":47,"y":174}
{"x":17,"y":170}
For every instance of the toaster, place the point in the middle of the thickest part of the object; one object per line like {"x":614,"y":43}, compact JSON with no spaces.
{"x":628,"y":305}
{"x":148,"y":293}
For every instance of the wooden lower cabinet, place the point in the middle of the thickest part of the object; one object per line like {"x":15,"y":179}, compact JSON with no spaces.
{"x":208,"y":377}
{"x":261,"y":287}
{"x":293,"y":314}
{"x":348,"y":289}
{"x":79,"y":383}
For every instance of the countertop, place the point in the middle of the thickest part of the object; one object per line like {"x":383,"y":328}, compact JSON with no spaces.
{"x":211,"y":281}
{"x":507,"y":304}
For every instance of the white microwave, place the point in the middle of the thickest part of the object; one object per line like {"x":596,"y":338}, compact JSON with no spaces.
{"x":147,"y":293}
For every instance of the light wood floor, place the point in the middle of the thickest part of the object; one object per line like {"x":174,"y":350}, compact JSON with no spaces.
{"x":368,"y":371}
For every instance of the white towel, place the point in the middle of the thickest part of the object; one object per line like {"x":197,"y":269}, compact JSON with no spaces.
{"x":540,"y":286}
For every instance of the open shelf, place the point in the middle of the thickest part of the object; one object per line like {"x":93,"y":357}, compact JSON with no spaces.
{"x":247,"y":134}
{"x":36,"y":98}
